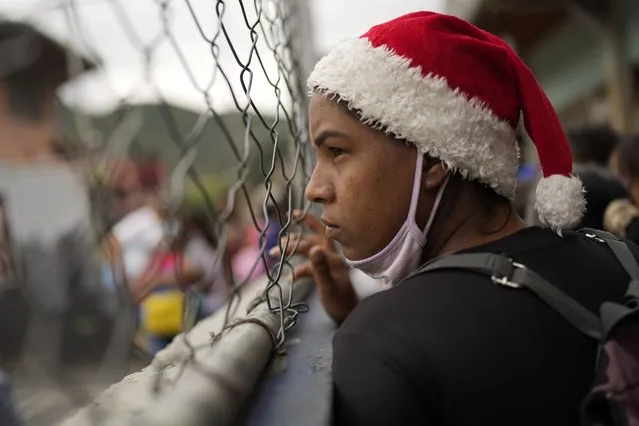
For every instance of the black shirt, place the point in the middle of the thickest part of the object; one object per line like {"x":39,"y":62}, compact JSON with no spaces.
{"x":452,"y":348}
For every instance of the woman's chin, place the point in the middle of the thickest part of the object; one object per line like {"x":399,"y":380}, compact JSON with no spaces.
{"x":350,"y":249}
{"x":352,"y":254}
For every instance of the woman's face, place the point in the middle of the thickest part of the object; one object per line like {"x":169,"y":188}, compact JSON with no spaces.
{"x":362,"y":177}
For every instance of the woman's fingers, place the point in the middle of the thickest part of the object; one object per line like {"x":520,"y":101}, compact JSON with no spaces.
{"x":304,"y":270}
{"x":303,"y":243}
{"x":317,"y":267}
{"x":330,"y":275}
{"x":312,"y":222}
{"x":321,"y":269}
{"x":303,"y":248}
{"x":296,"y":243}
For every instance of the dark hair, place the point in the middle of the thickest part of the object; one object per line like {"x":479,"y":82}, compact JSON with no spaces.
{"x":374,"y":124}
{"x":592,"y":144}
{"x":487,"y":198}
{"x":196,"y":220}
{"x":30,"y":87}
{"x":39,"y":64}
{"x":151,"y":173}
{"x":29,"y":93}
{"x":628,"y":156}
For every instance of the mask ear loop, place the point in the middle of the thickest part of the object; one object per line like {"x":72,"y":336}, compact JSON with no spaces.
{"x":417,"y":185}
{"x":416,"y":232}
{"x":438,"y":200}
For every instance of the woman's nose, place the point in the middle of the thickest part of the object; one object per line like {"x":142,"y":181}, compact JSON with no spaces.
{"x":319,"y":190}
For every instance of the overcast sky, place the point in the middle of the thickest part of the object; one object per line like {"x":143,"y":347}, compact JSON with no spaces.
{"x":181,"y":67}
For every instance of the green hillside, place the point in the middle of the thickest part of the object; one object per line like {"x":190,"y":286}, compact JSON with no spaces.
{"x":221,"y":142}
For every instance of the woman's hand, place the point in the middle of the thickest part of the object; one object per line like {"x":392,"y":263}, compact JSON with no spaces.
{"x":325,"y":266}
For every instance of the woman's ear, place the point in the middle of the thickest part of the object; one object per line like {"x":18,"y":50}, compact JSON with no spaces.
{"x":434,"y":174}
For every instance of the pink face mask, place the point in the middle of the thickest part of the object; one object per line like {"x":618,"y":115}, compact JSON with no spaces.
{"x":402,"y":255}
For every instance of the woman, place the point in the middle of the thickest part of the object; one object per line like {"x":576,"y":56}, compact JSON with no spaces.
{"x":413,"y":126}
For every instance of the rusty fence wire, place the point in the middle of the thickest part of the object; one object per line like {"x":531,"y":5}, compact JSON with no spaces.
{"x":187,"y":122}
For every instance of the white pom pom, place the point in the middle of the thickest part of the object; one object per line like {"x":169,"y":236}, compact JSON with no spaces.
{"x":560,"y":202}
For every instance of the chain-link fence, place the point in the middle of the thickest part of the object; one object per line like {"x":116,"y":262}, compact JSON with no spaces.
{"x":186,"y":121}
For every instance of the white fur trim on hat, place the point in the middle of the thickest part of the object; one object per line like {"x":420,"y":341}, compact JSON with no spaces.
{"x":391,"y":94}
{"x":560,"y":201}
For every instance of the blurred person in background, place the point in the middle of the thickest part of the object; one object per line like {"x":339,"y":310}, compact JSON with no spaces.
{"x":135,"y":212}
{"x":613,"y":163}
{"x":157,"y":266}
{"x":189,"y":261}
{"x":200,"y":249}
{"x":133,"y":227}
{"x":276,"y":215}
{"x":160,"y":289}
{"x":247,"y":258}
{"x":591,"y":148}
{"x":152,"y":174}
{"x":243,"y":237}
{"x":122,"y":190}
{"x":622,"y":215}
{"x":46,"y":202}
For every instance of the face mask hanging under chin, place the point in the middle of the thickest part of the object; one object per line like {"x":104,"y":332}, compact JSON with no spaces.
{"x":402,"y":255}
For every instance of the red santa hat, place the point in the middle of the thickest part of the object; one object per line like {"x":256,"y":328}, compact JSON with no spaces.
{"x":456,"y":92}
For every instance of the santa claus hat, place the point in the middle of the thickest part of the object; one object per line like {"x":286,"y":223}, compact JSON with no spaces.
{"x":457,"y":93}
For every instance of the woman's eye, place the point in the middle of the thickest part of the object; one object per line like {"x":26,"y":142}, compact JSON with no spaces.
{"x":336,"y":152}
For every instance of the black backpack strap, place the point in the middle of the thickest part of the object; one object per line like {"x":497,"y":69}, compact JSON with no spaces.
{"x":613,"y":313}
{"x":623,"y":254}
{"x":503,"y":271}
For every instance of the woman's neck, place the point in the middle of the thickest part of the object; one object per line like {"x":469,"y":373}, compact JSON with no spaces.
{"x":474,"y":229}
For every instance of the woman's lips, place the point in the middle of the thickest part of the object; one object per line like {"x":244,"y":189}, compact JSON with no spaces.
{"x":331,"y":231}
{"x":330,"y":228}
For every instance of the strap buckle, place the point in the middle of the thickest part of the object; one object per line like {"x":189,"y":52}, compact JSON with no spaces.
{"x":595,"y":237}
{"x":506,"y":280}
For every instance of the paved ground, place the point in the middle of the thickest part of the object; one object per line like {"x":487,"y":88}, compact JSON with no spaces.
{"x":43,"y":402}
